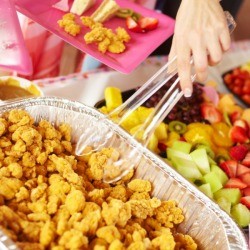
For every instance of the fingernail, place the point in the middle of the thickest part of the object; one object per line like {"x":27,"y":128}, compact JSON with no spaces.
{"x":187,"y":92}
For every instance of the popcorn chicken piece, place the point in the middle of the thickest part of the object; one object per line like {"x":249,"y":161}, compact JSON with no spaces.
{"x":38,"y":217}
{"x":38,"y":192}
{"x":89,"y":224}
{"x":65,"y":130}
{"x":73,"y":239}
{"x":87,"y":21}
{"x":23,"y":194}
{"x":116,"y":245}
{"x":169,"y":214}
{"x":17,"y":149}
{"x":140,"y":196}
{"x":38,"y":206}
{"x":31,"y":231}
{"x":19,"y":116}
{"x":5,"y":142}
{"x":138,"y":185}
{"x":109,"y":233}
{"x":143,"y":208}
{"x":3,"y":126}
{"x":15,"y":170}
{"x":139,"y":245}
{"x":53,"y":146}
{"x":98,"y":244}
{"x":9,"y":187}
{"x":30,"y":246}
{"x":42,"y":158}
{"x":65,"y":169}
{"x":75,"y":201}
{"x":61,"y":218}
{"x":164,"y":242}
{"x":53,"y":204}
{"x":48,"y":233}
{"x":184,"y":241}
{"x":69,"y":26}
{"x":116,"y":47}
{"x":119,"y":192}
{"x":116,"y":212}
{"x":122,"y":35}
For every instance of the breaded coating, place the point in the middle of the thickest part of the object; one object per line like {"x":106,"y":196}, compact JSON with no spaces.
{"x":69,"y":25}
{"x":51,"y":199}
{"x":169,"y":214}
{"x":116,"y":212}
{"x":109,"y":233}
{"x":105,"y":38}
{"x":143,"y":208}
{"x":138,"y":185}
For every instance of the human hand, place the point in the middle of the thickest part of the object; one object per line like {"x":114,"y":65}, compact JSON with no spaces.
{"x":201,"y":31}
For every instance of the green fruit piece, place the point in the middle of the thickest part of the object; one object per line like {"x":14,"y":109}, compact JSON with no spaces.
{"x":220,"y":174}
{"x":171,"y":153}
{"x":124,"y":13}
{"x":182,"y":146}
{"x":178,"y":127}
{"x":231,"y":194}
{"x":210,"y":152}
{"x":211,"y":161}
{"x":190,"y":172}
{"x":224,"y":204}
{"x":199,"y":156}
{"x":213,"y":180}
{"x":206,"y":189}
{"x":241,"y":214}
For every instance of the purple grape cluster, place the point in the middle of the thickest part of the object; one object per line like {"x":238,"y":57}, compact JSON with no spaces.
{"x":187,"y":110}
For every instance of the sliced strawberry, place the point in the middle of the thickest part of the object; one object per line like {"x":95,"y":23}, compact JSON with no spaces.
{"x":210,"y":113}
{"x":246,"y":160}
{"x":241,"y":123}
{"x":148,"y":23}
{"x":133,"y":25}
{"x":229,"y":167}
{"x":241,"y":169}
{"x":245,"y":201}
{"x":236,"y":115}
{"x":235,"y":183}
{"x":245,"y":178}
{"x":246,"y":191}
{"x":238,"y":134}
{"x":238,"y":152}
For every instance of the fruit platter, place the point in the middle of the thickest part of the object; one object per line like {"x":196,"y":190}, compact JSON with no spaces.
{"x":205,"y":138}
{"x":237,"y":82}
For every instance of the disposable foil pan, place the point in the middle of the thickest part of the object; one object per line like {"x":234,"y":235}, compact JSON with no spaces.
{"x":211,"y":227}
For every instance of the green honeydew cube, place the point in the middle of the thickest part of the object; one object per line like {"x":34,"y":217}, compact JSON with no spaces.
{"x":200,"y":157}
{"x":241,"y":214}
{"x":172,"y":153}
{"x":231,"y":194}
{"x":206,"y":189}
{"x":220,"y":174}
{"x":190,"y":173}
{"x":182,"y":146}
{"x":213,"y":180}
{"x":225,"y":204}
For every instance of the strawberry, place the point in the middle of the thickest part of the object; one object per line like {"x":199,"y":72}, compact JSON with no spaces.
{"x":241,"y":169}
{"x":210,"y":113}
{"x":246,"y":160}
{"x":246,"y":191}
{"x":148,"y":23}
{"x":162,"y":146}
{"x":245,"y":201}
{"x":229,"y":167}
{"x":133,"y":25}
{"x":238,"y":152}
{"x":236,"y":115}
{"x":238,"y":134}
{"x":245,"y":178}
{"x":235,"y":183}
{"x":241,"y":123}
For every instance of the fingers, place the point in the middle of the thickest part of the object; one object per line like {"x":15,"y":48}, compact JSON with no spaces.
{"x":183,"y":53}
{"x":214,"y":49}
{"x":200,"y":58}
{"x":225,"y":39}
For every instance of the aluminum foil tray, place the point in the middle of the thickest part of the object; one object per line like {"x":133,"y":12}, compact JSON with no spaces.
{"x":211,"y":227}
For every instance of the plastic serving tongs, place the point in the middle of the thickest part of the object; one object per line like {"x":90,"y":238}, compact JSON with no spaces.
{"x":130,"y":158}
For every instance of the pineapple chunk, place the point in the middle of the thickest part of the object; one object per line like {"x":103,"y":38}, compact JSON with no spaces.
{"x":113,"y":98}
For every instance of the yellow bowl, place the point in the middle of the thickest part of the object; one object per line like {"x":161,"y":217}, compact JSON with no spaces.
{"x":17,"y":87}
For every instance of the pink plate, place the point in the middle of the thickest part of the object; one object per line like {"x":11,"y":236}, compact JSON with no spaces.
{"x":138,"y":49}
{"x":13,"y":53}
